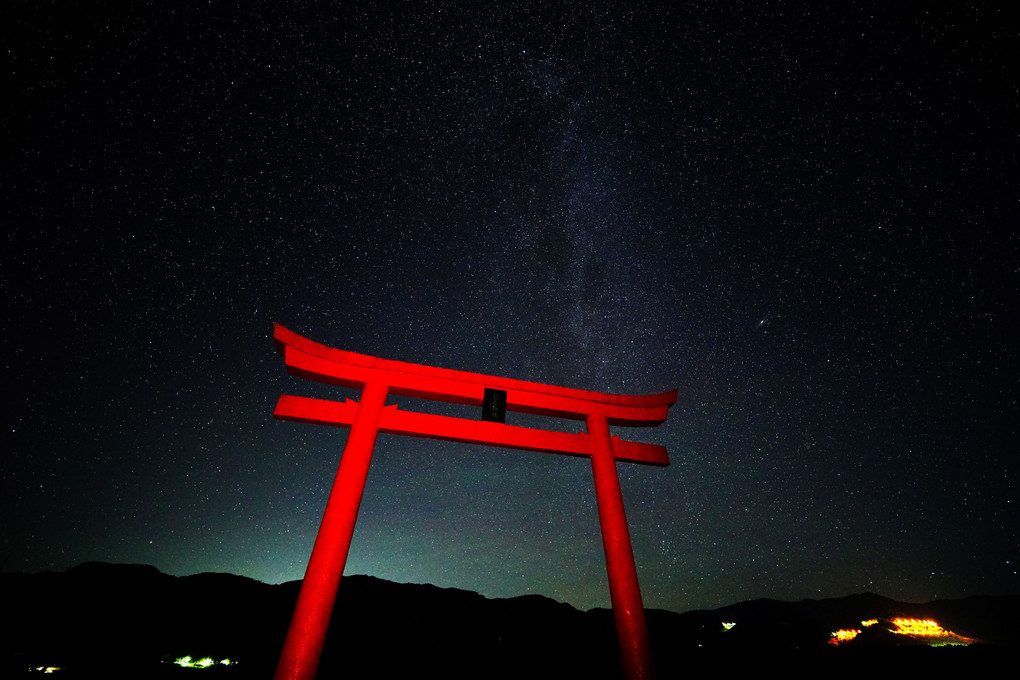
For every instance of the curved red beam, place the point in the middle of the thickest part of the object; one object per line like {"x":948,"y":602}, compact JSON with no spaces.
{"x":314,"y":361}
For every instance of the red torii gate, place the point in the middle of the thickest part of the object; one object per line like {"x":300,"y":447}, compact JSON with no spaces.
{"x":377,"y":378}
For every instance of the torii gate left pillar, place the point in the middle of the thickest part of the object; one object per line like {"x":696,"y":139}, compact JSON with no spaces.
{"x":377,"y":378}
{"x":307,"y":633}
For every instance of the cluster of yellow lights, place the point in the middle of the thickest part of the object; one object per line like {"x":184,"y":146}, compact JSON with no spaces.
{"x":844,"y":635}
{"x":921,"y":627}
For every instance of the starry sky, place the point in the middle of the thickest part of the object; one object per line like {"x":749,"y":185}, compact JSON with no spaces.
{"x":802,"y":216}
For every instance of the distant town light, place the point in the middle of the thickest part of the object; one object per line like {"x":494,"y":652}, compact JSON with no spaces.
{"x":922,"y":627}
{"x":843,"y":635}
{"x":927,"y":630}
{"x":205,"y":662}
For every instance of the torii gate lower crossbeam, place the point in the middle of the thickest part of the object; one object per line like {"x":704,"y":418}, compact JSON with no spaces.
{"x":377,"y":379}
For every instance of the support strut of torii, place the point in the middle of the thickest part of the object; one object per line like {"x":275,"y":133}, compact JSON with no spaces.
{"x":378,"y":378}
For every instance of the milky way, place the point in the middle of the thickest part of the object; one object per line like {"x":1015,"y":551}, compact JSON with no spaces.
{"x":804,"y":219}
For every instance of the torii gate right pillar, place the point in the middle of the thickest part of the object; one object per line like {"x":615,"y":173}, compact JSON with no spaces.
{"x":624,"y":590}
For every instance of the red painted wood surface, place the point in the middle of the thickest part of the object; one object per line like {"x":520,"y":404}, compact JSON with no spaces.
{"x":624,"y":590}
{"x":303,"y":644}
{"x":379,"y":377}
{"x":311,"y":360}
{"x":429,"y":426}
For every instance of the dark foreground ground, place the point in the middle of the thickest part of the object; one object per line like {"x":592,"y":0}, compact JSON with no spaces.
{"x":130,"y":621}
{"x":911,"y":662}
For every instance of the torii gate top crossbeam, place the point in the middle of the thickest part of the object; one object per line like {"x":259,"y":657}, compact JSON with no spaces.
{"x":309,"y":359}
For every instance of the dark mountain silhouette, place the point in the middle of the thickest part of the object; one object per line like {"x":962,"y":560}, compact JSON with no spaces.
{"x":109,"y":620}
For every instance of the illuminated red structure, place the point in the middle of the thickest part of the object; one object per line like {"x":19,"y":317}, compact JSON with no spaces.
{"x":378,"y":378}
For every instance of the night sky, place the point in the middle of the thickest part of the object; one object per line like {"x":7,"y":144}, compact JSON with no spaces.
{"x":802,"y":216}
